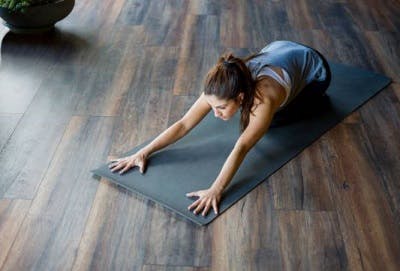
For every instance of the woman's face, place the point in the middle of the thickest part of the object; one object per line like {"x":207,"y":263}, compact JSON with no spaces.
{"x":224,"y":109}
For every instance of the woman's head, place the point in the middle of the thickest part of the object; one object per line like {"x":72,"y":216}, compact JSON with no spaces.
{"x":224,"y":108}
{"x":230,"y":86}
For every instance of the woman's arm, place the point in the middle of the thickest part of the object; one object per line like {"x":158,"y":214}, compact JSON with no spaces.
{"x":258,"y":126}
{"x":180,"y":128}
{"x":272,"y":96}
{"x":176,"y":131}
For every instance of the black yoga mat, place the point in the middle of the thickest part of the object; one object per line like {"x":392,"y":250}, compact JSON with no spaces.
{"x":194,"y":162}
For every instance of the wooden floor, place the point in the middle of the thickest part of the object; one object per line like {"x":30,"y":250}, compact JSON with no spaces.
{"x":117,"y":72}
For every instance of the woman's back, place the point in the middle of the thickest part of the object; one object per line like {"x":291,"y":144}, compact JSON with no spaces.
{"x":302,"y":64}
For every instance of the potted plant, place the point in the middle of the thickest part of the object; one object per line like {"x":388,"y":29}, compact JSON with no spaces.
{"x":32,"y":16}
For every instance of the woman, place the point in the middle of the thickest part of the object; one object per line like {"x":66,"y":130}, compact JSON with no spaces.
{"x":282,"y":76}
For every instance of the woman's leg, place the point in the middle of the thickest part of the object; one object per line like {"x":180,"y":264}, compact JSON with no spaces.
{"x":317,"y":88}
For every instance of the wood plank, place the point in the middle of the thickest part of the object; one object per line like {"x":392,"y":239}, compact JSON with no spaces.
{"x":108,"y":84}
{"x":268,"y":21}
{"x":26,"y":62}
{"x":362,"y":15}
{"x":302,"y":184}
{"x":12,"y":214}
{"x":380,"y":127}
{"x":235,"y":30}
{"x":246,"y":236}
{"x":173,"y":268}
{"x":105,"y":14}
{"x":100,"y":51}
{"x":50,"y":234}
{"x":8,"y":122}
{"x":396,"y":89}
{"x":179,"y":106}
{"x":372,"y":16}
{"x":348,"y":46}
{"x":154,"y":120}
{"x":38,"y":133}
{"x":175,"y":241}
{"x":300,"y":16}
{"x":18,"y":81}
{"x":366,"y":222}
{"x":198,"y":54}
{"x":204,"y":7}
{"x":17,"y":89}
{"x":143,"y":113}
{"x":385,"y":48}
{"x":115,"y":232}
{"x":40,"y":51}
{"x":311,"y":241}
{"x":133,"y":13}
{"x":162,"y":22}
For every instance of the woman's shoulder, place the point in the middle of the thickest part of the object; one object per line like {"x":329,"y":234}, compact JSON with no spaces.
{"x":268,"y":90}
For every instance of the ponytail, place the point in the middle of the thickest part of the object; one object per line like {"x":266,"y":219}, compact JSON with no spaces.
{"x":227,"y":79}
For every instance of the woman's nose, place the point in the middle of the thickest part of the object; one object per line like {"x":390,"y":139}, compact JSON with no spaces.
{"x":216,"y":113}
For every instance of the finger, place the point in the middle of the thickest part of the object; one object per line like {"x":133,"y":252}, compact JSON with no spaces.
{"x":118,"y":166}
{"x":207,"y":208}
{"x":142,"y":166}
{"x":215,"y":206}
{"x":192,"y":194}
{"x":200,"y":207}
{"x":113,"y":164}
{"x":126,"y":168}
{"x":194,"y":204}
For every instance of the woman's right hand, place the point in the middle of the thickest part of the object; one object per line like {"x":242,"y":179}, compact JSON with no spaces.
{"x":124,"y":164}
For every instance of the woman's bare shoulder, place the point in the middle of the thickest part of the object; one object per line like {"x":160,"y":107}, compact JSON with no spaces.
{"x":269,"y":90}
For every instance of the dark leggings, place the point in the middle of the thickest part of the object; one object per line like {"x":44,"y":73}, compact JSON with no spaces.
{"x":312,"y":96}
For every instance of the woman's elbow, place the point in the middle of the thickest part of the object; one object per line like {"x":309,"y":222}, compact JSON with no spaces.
{"x":182,"y":127}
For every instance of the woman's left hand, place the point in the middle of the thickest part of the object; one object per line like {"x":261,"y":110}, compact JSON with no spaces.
{"x":207,"y":199}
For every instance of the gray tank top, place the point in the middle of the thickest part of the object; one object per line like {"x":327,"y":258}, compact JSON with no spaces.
{"x":302,"y":64}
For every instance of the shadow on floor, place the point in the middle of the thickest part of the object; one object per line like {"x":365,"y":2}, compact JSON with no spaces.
{"x":50,"y":47}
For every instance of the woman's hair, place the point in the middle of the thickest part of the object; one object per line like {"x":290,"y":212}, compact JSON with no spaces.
{"x":230,"y":77}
